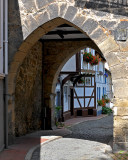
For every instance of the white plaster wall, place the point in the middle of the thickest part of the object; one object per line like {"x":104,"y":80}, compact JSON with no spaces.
{"x":70,"y":65}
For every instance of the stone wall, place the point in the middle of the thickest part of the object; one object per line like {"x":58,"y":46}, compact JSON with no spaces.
{"x":108,"y":32}
{"x":28,"y":92}
{"x":119,"y":7}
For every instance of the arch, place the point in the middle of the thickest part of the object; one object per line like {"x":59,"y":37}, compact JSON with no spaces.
{"x":42,"y":22}
{"x":46,"y":17}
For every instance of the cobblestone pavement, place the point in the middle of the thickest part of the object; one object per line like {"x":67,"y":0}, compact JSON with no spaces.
{"x":72,"y":149}
{"x":99,"y":130}
{"x":80,"y":145}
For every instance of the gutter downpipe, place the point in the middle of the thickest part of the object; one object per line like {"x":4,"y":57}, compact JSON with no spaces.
{"x":2,"y":62}
{"x":6,"y":71}
{"x":1,"y":36}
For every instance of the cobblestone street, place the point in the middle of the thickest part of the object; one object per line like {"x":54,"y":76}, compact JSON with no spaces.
{"x":99,"y":130}
{"x":80,"y":145}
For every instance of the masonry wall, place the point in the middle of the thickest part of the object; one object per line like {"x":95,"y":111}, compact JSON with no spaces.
{"x":28,"y":92}
{"x":118,"y":7}
{"x":30,"y":20}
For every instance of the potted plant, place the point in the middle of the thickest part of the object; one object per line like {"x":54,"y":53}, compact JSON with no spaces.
{"x":94,"y":61}
{"x":102,"y":102}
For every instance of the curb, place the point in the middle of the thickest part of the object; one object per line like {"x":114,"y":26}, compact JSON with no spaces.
{"x":50,"y":138}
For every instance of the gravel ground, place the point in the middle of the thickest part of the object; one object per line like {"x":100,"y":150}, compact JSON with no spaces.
{"x":99,"y":130}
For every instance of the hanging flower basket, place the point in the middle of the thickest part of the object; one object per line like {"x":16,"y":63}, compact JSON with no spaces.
{"x":94,"y":61}
{"x":88,"y":57}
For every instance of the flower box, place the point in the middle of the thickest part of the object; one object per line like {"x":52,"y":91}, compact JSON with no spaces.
{"x":88,"y":57}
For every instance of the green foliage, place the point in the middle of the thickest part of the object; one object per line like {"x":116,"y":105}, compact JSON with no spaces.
{"x":87,"y":57}
{"x":59,"y":124}
{"x":58,"y":115}
{"x":58,"y":108}
{"x":106,"y":110}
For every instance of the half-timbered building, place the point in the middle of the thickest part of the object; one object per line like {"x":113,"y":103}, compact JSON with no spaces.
{"x":81,"y":84}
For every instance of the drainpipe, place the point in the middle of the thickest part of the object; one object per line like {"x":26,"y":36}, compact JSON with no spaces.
{"x":6,"y":71}
{"x":1,"y":37}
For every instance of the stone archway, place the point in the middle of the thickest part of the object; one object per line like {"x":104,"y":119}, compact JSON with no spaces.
{"x":39,"y":18}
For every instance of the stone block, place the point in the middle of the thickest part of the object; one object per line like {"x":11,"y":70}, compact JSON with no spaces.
{"x":35,"y":36}
{"x":112,"y":59}
{"x":123,"y":24}
{"x":53,"y":10}
{"x":41,"y":3}
{"x":120,"y":102}
{"x":41,"y":17}
{"x":108,"y":45}
{"x":25,"y":47}
{"x":89,"y":26}
{"x":30,"y":23}
{"x":121,"y":92}
{"x":19,"y":56}
{"x":122,"y":56}
{"x":29,"y":5}
{"x":120,"y":122}
{"x":120,"y":83}
{"x":63,"y":8}
{"x":49,"y":26}
{"x":98,"y":36}
{"x":119,"y":71}
{"x":70,"y":13}
{"x":108,"y":24}
{"x":79,"y":20}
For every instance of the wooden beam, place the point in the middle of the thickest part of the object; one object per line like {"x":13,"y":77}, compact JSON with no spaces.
{"x":70,"y":39}
{"x":67,"y":72}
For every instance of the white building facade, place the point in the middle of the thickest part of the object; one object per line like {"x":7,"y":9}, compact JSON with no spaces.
{"x":80,"y":98}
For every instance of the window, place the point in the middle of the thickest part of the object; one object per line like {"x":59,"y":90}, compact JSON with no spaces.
{"x":88,"y":81}
{"x":65,"y":93}
{"x":99,"y":92}
{"x":58,"y":103}
{"x":103,"y":91}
